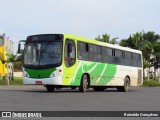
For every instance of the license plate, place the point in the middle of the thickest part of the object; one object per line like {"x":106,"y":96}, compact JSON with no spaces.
{"x":38,"y":82}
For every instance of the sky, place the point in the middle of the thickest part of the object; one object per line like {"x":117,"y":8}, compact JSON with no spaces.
{"x":87,"y":18}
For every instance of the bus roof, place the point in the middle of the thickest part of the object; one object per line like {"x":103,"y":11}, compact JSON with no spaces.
{"x":83,"y":39}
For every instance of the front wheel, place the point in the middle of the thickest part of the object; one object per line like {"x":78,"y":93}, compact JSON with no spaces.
{"x":84,"y":83}
{"x":50,"y":88}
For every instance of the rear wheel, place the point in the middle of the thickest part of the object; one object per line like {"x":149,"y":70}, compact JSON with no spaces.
{"x":50,"y":88}
{"x":126,"y":86}
{"x":84,"y":83}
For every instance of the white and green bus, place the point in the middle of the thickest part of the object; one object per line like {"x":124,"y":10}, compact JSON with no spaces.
{"x":65,"y":60}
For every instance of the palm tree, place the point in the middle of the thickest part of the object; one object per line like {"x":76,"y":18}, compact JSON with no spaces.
{"x":138,"y":41}
{"x":154,"y":46}
{"x":106,"y":38}
{"x":154,"y":51}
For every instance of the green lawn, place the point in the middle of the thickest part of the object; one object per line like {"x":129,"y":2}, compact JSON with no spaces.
{"x":17,"y":81}
{"x":151,"y":83}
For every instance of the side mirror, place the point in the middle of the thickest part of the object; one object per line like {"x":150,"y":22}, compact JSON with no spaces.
{"x":19,"y":45}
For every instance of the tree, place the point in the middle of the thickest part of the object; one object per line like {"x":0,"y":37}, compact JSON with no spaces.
{"x":106,"y":38}
{"x":11,"y":59}
{"x":146,"y":42}
{"x":128,"y":42}
{"x":153,"y":47}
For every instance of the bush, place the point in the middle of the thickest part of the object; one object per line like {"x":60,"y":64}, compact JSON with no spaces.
{"x":151,"y":83}
{"x":17,"y":66}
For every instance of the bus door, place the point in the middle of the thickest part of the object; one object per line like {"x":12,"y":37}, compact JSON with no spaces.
{"x":70,"y":62}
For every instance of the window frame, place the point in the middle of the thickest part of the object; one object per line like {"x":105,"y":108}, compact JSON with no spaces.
{"x":67,"y":58}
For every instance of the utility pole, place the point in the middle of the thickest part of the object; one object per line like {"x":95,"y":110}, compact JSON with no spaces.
{"x":159,"y":74}
{"x":155,"y":61}
{"x":156,"y":66}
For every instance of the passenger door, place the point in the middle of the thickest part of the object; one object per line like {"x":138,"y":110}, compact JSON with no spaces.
{"x":70,"y":62}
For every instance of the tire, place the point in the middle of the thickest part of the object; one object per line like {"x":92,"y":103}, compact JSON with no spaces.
{"x":50,"y":88}
{"x":84,"y":83}
{"x":126,"y":86}
{"x":98,"y":88}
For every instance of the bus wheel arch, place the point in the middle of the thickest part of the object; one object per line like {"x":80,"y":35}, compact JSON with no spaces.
{"x":125,"y":87}
{"x":129,"y":80}
{"x":85,"y":82}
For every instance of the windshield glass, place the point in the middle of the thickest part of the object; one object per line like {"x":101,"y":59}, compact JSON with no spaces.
{"x":41,"y":54}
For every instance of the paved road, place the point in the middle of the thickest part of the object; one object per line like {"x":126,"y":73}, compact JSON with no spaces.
{"x":36,"y":98}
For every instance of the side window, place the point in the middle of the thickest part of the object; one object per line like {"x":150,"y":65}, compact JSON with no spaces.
{"x":128,"y":55}
{"x":118,"y":53}
{"x":107,"y":55}
{"x":99,"y":54}
{"x":118,"y":59}
{"x":92,"y":52}
{"x":83,"y":49}
{"x":137,"y":60}
{"x":106,"y":51}
{"x":70,"y":53}
{"x":128,"y":58}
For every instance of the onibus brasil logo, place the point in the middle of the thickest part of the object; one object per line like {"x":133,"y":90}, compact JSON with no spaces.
{"x":21,"y":114}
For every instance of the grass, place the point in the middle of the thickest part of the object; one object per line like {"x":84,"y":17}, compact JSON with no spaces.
{"x":151,"y":83}
{"x":17,"y":81}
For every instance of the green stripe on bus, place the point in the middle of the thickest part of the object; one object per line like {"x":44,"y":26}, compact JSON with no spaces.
{"x":44,"y":73}
{"x":100,"y":73}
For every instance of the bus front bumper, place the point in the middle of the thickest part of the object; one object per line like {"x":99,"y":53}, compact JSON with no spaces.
{"x":43,"y":81}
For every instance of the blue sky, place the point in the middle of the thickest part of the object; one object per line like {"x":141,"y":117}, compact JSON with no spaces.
{"x":88,"y":18}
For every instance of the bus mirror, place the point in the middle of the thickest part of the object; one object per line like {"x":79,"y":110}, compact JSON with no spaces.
{"x":70,"y":47}
{"x":19,"y":45}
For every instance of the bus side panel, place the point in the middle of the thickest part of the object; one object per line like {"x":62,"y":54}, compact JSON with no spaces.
{"x":100,"y":73}
{"x":122,"y":72}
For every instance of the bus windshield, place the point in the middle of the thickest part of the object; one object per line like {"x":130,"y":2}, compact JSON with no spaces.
{"x":38,"y":54}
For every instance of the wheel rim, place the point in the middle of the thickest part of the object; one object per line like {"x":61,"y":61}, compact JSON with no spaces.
{"x":85,"y":82}
{"x":127,"y":86}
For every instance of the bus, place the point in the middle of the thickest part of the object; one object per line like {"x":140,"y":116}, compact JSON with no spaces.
{"x":66,"y":60}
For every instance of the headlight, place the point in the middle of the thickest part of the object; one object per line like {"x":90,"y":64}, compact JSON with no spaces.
{"x":25,"y":74}
{"x":52,"y":75}
{"x":55,"y":73}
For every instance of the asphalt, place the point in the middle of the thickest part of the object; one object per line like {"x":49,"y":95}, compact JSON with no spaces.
{"x":36,"y":98}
